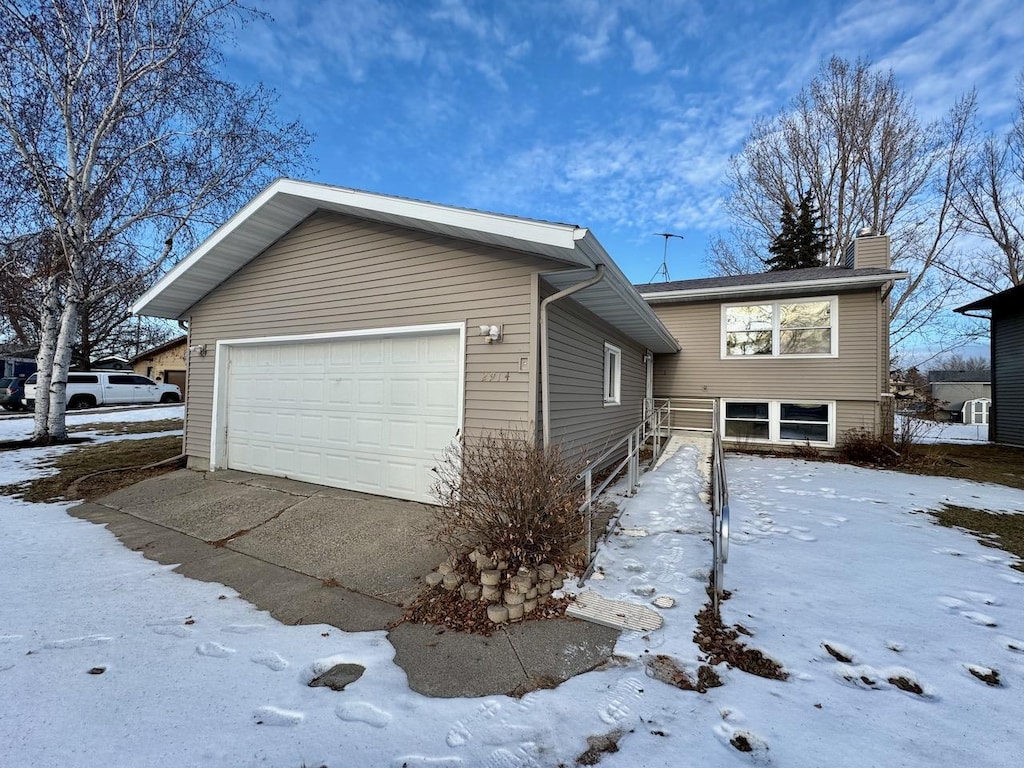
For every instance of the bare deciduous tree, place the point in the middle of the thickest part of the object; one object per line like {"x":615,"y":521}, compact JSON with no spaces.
{"x":853,"y":139}
{"x":119,"y":135}
{"x":990,"y":182}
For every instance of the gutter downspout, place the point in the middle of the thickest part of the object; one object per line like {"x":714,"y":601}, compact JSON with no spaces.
{"x":545,"y":407}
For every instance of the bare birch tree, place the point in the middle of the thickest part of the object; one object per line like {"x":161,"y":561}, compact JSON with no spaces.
{"x":120,"y":136}
{"x":990,"y":181}
{"x":853,"y":139}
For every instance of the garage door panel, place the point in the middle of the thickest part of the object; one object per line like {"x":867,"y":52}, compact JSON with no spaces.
{"x":404,"y":393}
{"x":369,"y":414}
{"x":370,"y":392}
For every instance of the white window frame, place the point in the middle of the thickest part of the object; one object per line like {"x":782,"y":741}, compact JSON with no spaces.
{"x":776,"y":328}
{"x":612,"y":393}
{"x":775,"y":421}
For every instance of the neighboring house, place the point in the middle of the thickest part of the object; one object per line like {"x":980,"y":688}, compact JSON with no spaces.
{"x":346,"y":338}
{"x":961,"y":396}
{"x":794,"y":357}
{"x":165,"y":362}
{"x":110,"y":363}
{"x":17,"y":361}
{"x":1006,"y":313}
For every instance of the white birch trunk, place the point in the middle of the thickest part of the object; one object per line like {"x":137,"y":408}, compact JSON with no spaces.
{"x":48,"y":327}
{"x":57,"y":423}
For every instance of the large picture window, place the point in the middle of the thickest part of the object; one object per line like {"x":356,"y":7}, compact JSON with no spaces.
{"x":777,"y":421}
{"x":804,"y":327}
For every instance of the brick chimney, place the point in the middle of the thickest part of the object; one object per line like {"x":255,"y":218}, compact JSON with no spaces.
{"x":868,"y":250}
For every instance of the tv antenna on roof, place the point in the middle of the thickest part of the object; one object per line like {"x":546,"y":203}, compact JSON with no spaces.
{"x":663,"y":269}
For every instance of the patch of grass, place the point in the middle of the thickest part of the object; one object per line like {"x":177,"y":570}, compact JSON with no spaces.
{"x":129,"y":427}
{"x":597,"y":746}
{"x":667,"y":669}
{"x":75,"y":465}
{"x":1004,"y":531}
{"x":906,"y":684}
{"x":982,"y":462}
{"x":721,"y":643}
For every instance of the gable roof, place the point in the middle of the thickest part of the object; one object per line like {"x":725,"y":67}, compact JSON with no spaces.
{"x":170,"y":344}
{"x":951,"y":377}
{"x":1009,"y":297}
{"x":287,"y":202}
{"x":785,"y":282}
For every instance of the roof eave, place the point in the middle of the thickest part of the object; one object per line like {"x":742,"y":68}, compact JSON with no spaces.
{"x":800,"y":286}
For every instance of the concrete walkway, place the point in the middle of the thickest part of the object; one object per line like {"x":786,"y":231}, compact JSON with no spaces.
{"x":308,"y":554}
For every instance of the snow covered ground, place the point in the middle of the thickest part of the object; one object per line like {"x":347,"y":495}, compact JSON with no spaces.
{"x":925,"y":431}
{"x":821,"y":554}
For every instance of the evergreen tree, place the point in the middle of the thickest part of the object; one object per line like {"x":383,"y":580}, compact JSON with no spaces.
{"x":801,"y":241}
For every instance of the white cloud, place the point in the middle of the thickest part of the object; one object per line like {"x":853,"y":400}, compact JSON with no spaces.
{"x":645,"y":58}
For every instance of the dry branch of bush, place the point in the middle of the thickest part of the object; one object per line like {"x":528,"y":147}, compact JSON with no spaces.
{"x":504,"y":493}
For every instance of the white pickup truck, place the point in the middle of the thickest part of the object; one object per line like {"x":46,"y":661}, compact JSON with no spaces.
{"x":88,"y":389}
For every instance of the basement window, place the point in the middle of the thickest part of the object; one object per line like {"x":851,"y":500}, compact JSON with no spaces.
{"x":775,"y":421}
{"x":612,"y":374}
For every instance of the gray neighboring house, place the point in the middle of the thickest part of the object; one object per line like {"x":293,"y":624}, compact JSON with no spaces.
{"x":346,"y":338}
{"x":794,"y":357}
{"x":1006,"y":314}
{"x":962,"y":396}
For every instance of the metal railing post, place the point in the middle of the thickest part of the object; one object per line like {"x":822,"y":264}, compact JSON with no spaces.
{"x":589,"y":502}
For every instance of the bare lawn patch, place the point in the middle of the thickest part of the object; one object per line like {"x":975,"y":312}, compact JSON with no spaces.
{"x":129,"y":456}
{"x":1003,"y":531}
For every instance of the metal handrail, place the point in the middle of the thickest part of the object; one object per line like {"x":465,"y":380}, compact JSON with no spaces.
{"x":719,"y":513}
{"x":656,"y":419}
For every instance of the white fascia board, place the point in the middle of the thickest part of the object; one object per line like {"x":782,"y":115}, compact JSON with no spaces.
{"x":800,"y":286}
{"x":206,"y":246}
{"x":528,"y":230}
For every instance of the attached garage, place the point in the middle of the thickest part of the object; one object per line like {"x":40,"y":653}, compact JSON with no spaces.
{"x":368,"y":411}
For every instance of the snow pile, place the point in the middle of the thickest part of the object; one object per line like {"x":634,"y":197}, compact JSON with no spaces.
{"x":888,"y":625}
{"x":925,"y":431}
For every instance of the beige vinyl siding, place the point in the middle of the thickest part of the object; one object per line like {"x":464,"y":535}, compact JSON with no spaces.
{"x":852,"y":379}
{"x":336,"y":273}
{"x":580,"y":420}
{"x":699,"y":370}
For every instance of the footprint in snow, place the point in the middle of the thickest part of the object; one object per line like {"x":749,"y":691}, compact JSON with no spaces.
{"x":270,"y":660}
{"x":420,"y":761}
{"x":744,"y":741}
{"x":461,"y":732}
{"x":277,"y":716}
{"x":78,"y":642}
{"x":522,"y":756}
{"x":1012,"y":645}
{"x":981,"y":619}
{"x":214,"y":650}
{"x":982,"y":597}
{"x":953,"y":603}
{"x":618,"y":704}
{"x":244,"y":629}
{"x":362,"y":712}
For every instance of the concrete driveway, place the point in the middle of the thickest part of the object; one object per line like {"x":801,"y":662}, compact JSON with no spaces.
{"x":309,"y":554}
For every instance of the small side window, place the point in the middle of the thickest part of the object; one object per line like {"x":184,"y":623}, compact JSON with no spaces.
{"x":83,"y":378}
{"x":121,"y":379}
{"x":612,"y":374}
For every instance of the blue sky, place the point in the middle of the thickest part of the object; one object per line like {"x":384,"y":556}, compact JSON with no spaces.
{"x":617,"y":115}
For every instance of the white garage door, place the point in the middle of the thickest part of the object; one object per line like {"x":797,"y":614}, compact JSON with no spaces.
{"x":369,"y":414}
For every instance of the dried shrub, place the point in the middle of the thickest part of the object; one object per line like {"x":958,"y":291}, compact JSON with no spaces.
{"x":862,"y":446}
{"x":503,"y":493}
{"x":900,"y":449}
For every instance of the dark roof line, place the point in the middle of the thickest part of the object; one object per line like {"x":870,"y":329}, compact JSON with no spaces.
{"x":822,"y":274}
